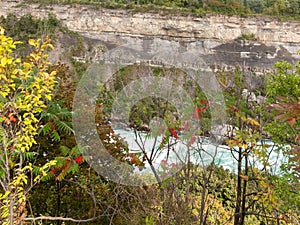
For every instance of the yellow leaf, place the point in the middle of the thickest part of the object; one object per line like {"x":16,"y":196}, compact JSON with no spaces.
{"x":32,"y":42}
{"x":255,"y":123}
{"x":3,"y":62}
{"x":9,"y":61}
{"x":6,"y":194}
{"x":37,"y":178}
{"x":195,"y":212}
{"x":18,"y":42}
{"x":243,"y":118}
{"x":27,"y":65}
{"x":2,"y":31}
{"x":48,"y":97}
{"x":51,"y":46}
{"x":35,"y":56}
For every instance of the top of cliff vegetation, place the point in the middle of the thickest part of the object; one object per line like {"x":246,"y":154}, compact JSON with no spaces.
{"x":280,"y":9}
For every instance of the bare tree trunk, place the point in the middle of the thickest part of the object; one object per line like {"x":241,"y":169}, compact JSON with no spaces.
{"x":201,"y":214}
{"x":58,"y":199}
{"x":207,"y":174}
{"x":11,"y":210}
{"x":188,"y":176}
{"x":237,"y":214}
{"x":244,"y":192}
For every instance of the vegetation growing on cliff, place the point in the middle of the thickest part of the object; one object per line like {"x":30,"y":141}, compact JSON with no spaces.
{"x":279,"y":8}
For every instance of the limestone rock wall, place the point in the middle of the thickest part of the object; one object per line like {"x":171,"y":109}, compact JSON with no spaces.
{"x":212,"y":36}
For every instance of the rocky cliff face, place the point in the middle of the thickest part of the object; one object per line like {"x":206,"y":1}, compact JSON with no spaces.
{"x":213,"y":38}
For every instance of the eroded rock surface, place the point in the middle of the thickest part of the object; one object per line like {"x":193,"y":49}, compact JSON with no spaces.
{"x":211,"y":38}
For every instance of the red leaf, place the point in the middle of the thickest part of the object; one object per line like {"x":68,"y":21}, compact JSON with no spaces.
{"x":173,"y":133}
{"x":186,"y":125}
{"x":291,"y":121}
{"x":233,"y":109}
{"x":67,"y":165}
{"x":164,"y":162}
{"x":205,"y":107}
{"x":203,"y":101}
{"x":197,"y":113}
{"x":191,"y":141}
{"x":173,"y":165}
{"x":298,"y":139}
{"x":134,"y":159}
{"x":195,"y":116}
{"x":297,"y":168}
{"x":52,"y":126}
{"x":79,"y":159}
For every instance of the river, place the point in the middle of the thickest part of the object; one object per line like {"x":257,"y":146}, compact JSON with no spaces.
{"x":202,"y":152}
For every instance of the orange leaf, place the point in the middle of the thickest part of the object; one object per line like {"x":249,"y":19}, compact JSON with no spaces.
{"x":11,"y":117}
{"x":291,"y":121}
{"x":244,"y":177}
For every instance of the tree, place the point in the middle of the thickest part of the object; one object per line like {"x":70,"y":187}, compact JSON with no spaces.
{"x":255,"y":187}
{"x":284,"y":104}
{"x":25,"y":89}
{"x":256,"y":6}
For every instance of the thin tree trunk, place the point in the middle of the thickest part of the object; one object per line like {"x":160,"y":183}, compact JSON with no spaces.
{"x":188,"y":174}
{"x":58,"y":200}
{"x":11,"y":209}
{"x":237,"y":214}
{"x":201,"y":214}
{"x":244,"y":193}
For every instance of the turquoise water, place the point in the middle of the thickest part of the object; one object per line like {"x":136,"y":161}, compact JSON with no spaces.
{"x":200,"y":153}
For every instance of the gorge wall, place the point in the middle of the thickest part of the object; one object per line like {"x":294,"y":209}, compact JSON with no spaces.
{"x":213,"y":38}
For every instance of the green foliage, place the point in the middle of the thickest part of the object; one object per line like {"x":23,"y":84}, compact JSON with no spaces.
{"x":285,"y":9}
{"x":256,"y":6}
{"x":283,"y":86}
{"x":288,"y":189}
{"x":280,"y":122}
{"x":28,"y":27}
{"x":146,"y":109}
{"x":57,"y":121}
{"x":249,"y":37}
{"x":149,"y":220}
{"x":285,"y":82}
{"x":67,"y":163}
{"x":283,"y":89}
{"x":80,"y":67}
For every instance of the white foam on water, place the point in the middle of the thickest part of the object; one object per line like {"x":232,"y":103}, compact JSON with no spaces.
{"x":200,"y":153}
